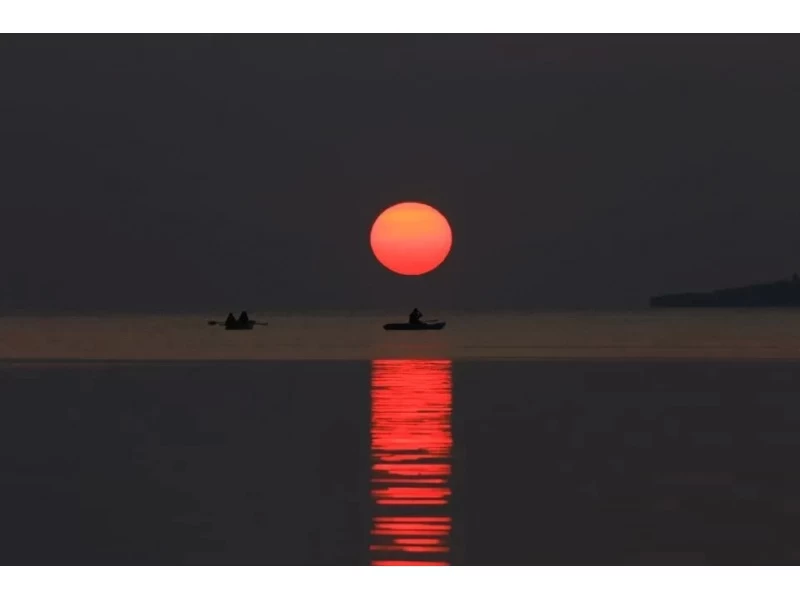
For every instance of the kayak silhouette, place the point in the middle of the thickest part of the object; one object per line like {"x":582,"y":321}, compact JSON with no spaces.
{"x":243,"y":323}
{"x":421,"y":325}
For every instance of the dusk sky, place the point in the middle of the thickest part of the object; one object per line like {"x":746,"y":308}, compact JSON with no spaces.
{"x":244,"y":172}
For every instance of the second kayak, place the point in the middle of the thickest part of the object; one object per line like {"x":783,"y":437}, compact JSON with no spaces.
{"x":417,"y":326}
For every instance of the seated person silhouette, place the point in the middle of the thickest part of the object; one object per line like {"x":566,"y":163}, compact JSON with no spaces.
{"x":414,"y":316}
{"x":230,"y":320}
{"x":243,"y":319}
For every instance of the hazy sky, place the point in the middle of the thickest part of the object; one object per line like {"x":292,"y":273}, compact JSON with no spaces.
{"x":228,"y":172}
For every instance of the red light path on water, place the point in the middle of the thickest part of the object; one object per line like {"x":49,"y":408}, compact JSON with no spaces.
{"x":411,"y":450}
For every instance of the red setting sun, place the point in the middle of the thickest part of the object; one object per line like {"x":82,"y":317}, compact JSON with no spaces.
{"x":411,"y":238}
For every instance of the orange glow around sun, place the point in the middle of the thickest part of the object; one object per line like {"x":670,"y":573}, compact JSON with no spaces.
{"x":411,"y":238}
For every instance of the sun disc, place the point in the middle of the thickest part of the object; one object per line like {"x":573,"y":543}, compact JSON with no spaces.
{"x":411,"y":238}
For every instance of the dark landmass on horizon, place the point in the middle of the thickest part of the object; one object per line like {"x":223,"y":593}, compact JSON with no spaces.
{"x":780,"y":293}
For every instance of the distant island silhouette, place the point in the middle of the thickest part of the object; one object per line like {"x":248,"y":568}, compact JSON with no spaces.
{"x":780,"y":293}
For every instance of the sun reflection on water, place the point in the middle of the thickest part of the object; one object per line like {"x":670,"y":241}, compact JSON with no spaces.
{"x":411,"y":453}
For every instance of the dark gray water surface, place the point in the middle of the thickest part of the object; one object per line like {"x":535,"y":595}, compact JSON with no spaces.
{"x":359,"y":462}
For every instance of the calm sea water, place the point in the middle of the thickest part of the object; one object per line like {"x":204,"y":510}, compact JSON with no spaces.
{"x":682,"y":334}
{"x":550,"y":438}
